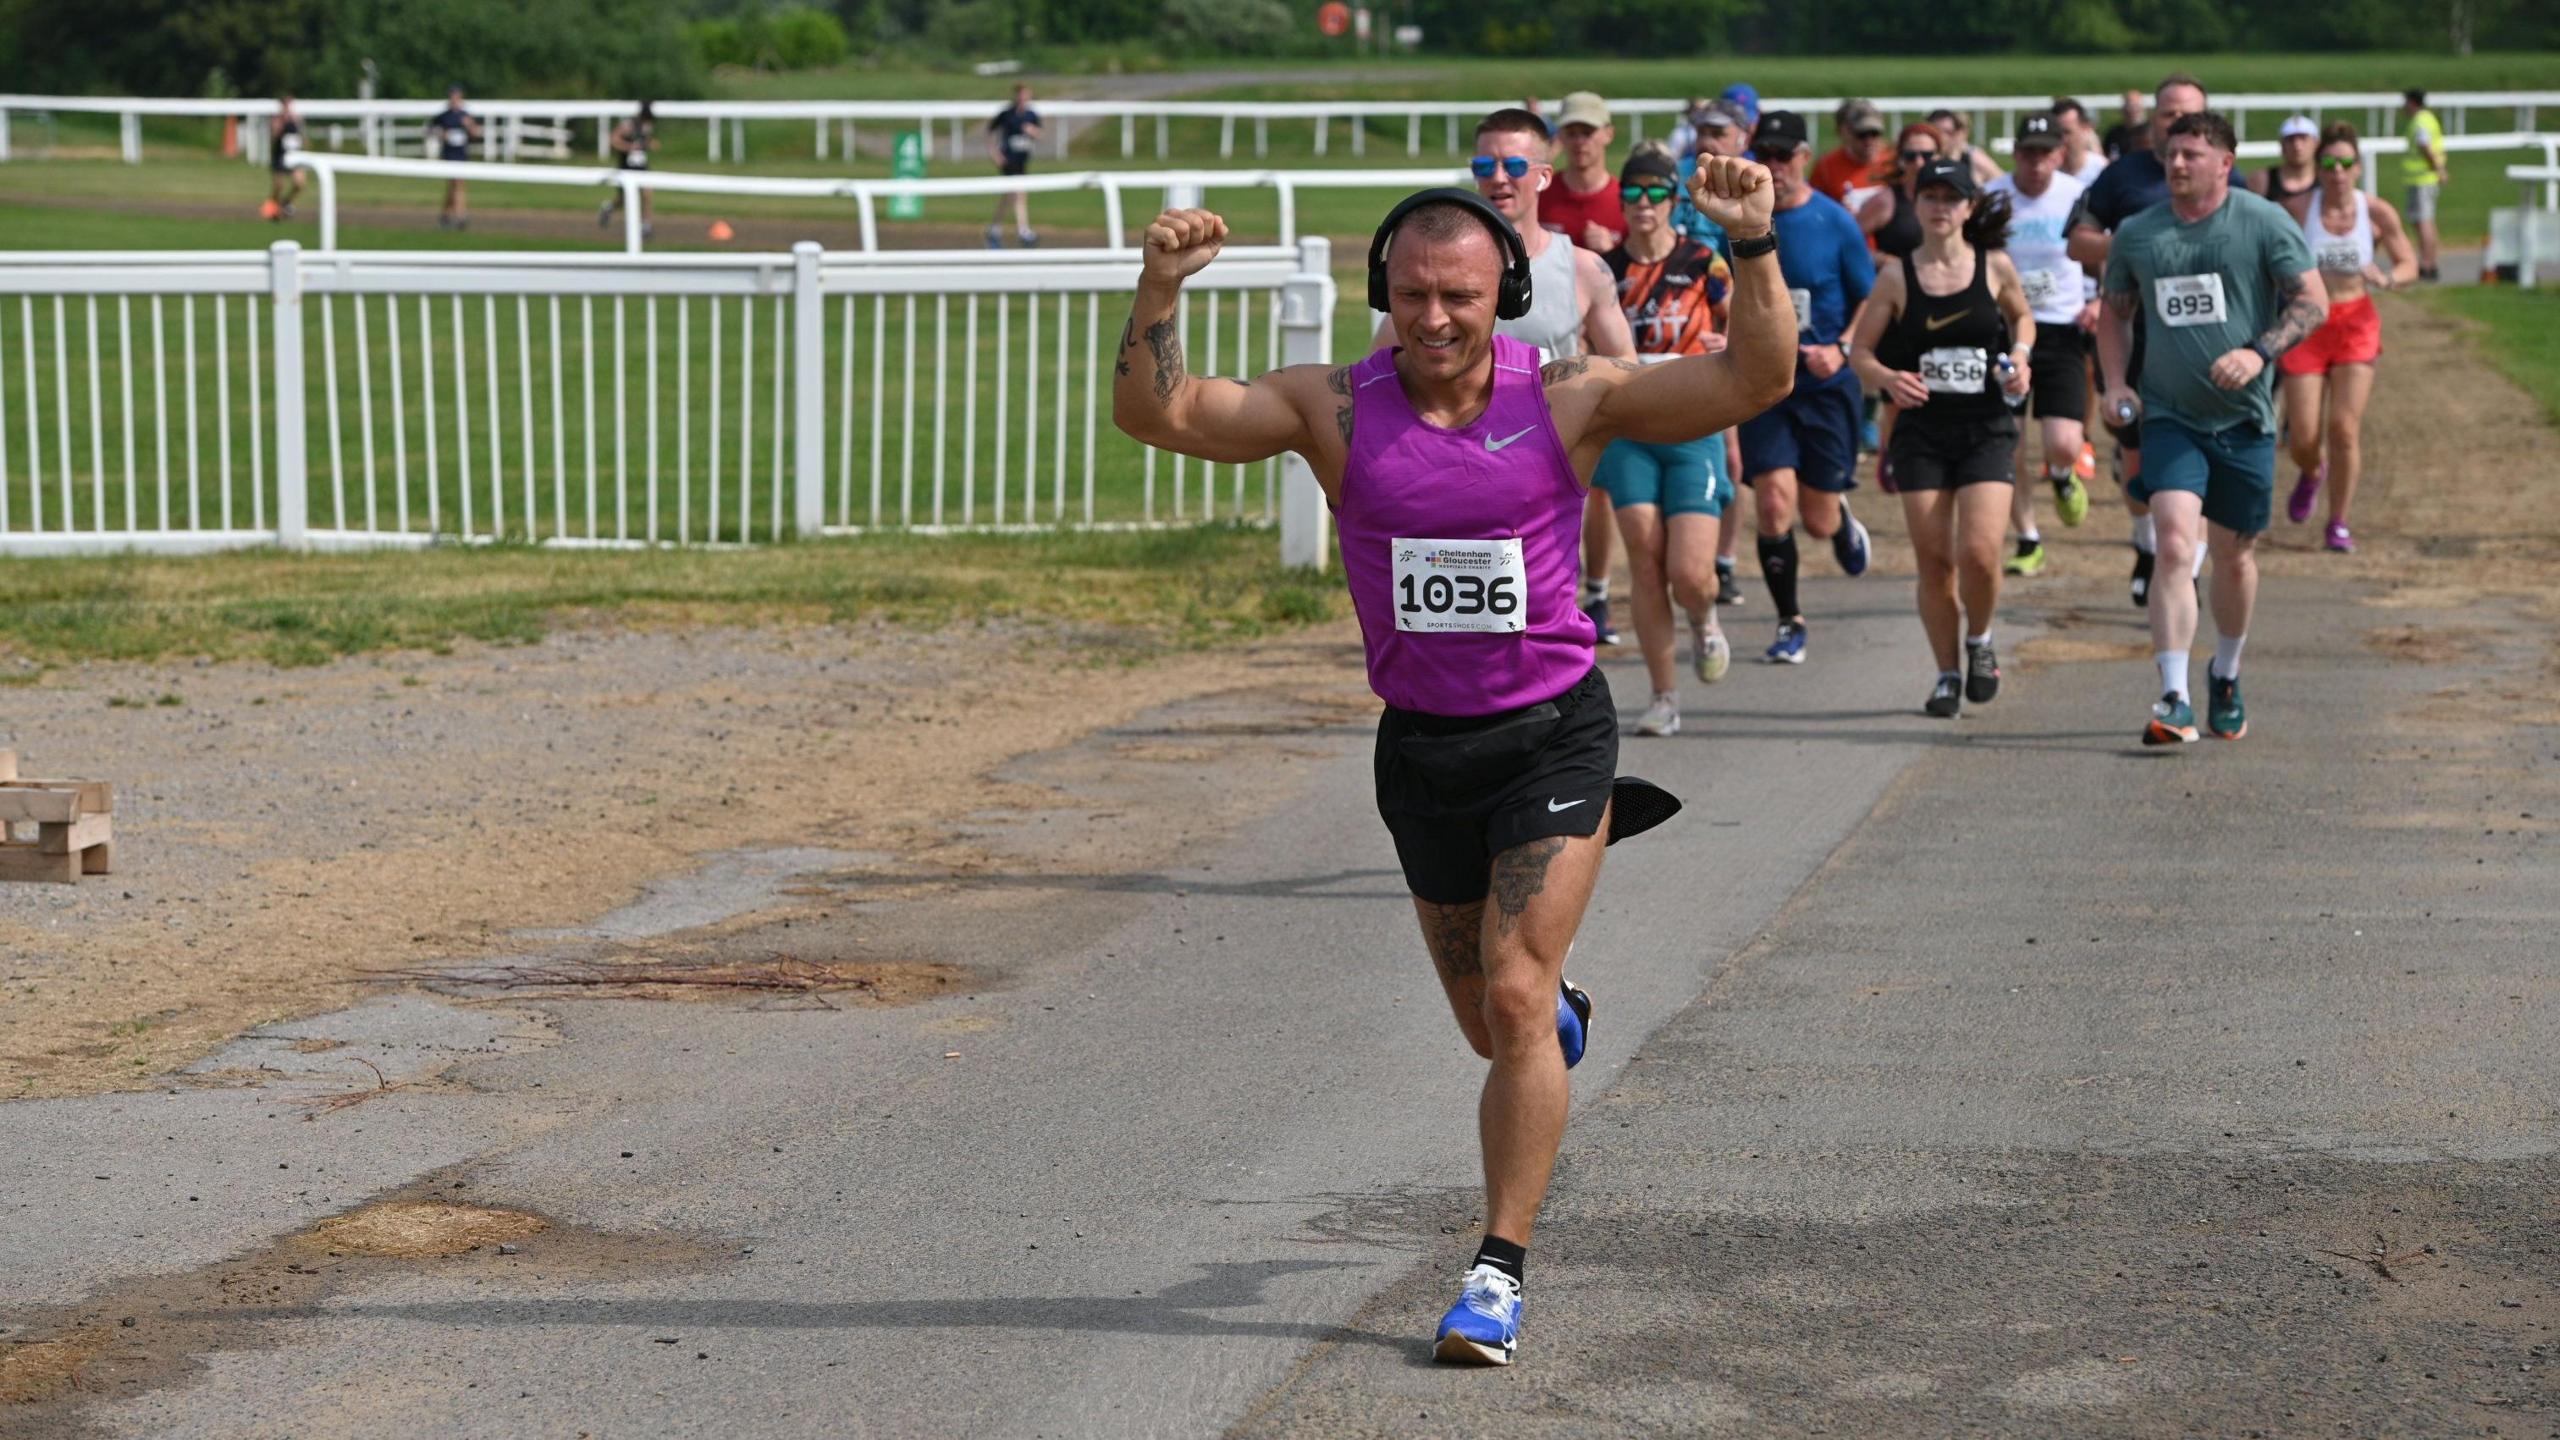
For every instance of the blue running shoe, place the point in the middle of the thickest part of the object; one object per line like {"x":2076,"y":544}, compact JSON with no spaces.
{"x":1573,"y":1022}
{"x":1849,"y":546}
{"x":1483,"y":1328}
{"x":1789,"y":648}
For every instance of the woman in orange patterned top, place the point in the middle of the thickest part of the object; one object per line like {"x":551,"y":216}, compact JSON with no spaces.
{"x":1670,"y":499}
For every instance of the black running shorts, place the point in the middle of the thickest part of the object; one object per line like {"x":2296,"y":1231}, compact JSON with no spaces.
{"x":1457,"y":791}
{"x":2058,"y":373}
{"x":1951,"y":454}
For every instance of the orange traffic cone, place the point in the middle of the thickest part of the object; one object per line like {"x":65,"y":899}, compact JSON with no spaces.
{"x":721,"y":232}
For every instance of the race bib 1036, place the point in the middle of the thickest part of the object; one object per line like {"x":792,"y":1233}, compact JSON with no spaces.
{"x":2185,"y":300}
{"x":1461,"y":586}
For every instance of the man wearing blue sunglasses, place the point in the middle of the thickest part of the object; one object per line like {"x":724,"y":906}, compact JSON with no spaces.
{"x":1573,"y":304}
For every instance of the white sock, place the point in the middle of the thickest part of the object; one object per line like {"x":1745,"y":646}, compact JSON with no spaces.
{"x":2031,"y":535}
{"x":2226,"y":656}
{"x":1978,"y":641}
{"x":2173,"y":672}
{"x":1595,"y":589}
{"x":2055,"y":477}
{"x":2143,"y":534}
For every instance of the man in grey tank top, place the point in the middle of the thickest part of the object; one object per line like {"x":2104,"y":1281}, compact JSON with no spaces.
{"x":1573,"y":304}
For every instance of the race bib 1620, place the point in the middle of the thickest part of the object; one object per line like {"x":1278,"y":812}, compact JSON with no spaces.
{"x":1461,"y":586}
{"x":2185,"y":300}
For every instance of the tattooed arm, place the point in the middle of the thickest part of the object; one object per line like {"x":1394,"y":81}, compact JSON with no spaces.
{"x":2305,"y":305}
{"x":1156,"y":399}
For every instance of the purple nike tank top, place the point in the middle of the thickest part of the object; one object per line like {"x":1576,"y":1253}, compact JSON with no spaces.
{"x":1462,"y":545}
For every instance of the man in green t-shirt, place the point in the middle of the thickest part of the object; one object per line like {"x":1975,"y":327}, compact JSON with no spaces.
{"x":2225,"y":283}
{"x":2423,"y":170}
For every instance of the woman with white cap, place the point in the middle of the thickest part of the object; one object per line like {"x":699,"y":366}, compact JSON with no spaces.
{"x":2295,"y":172}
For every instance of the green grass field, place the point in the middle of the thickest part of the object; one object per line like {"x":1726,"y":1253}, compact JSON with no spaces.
{"x":1150,"y":590}
{"x":2518,"y":330}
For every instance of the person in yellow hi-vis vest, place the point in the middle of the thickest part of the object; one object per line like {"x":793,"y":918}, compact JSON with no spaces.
{"x":2424,"y":171}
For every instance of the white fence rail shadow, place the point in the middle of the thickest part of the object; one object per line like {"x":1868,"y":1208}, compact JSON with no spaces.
{"x":190,"y":401}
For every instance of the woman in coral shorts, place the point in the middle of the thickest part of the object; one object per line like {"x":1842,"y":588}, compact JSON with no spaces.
{"x":2345,"y":228}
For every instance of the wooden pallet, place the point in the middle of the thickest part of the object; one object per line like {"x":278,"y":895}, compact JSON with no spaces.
{"x":73,"y":821}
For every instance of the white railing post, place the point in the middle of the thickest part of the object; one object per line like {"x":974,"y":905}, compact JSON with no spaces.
{"x":808,"y":405}
{"x":632,"y":237}
{"x":1306,"y":338}
{"x":284,"y":293}
{"x":328,"y":207}
{"x":132,"y":137}
{"x":4,"y":134}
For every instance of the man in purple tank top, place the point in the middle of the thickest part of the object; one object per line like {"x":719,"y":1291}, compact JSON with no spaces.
{"x":1456,"y":467}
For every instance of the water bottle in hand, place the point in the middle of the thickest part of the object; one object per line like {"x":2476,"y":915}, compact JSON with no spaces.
{"x":2007,"y":368}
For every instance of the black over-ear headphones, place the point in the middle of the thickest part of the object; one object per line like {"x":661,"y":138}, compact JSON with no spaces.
{"x":1511,"y":301}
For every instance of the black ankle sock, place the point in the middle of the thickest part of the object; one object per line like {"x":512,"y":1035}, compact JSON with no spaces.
{"x":1504,"y":1256}
{"x":1778,"y":568}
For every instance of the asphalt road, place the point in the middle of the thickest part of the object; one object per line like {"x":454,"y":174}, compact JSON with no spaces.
{"x":1995,"y":1077}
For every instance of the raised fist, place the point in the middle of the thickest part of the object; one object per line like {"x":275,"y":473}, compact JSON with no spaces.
{"x":1179,"y":243}
{"x":1733,"y":192}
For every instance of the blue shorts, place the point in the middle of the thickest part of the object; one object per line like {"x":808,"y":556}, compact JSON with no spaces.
{"x":2234,"y":470}
{"x":1684,"y":479}
{"x":1813,"y":432}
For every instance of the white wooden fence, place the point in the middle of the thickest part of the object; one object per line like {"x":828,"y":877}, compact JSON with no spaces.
{"x":185,"y":401}
{"x":865,"y":195}
{"x":382,"y":125}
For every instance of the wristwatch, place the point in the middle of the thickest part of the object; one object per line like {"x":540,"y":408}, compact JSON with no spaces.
{"x":2261,"y":351}
{"x":1758,"y":245}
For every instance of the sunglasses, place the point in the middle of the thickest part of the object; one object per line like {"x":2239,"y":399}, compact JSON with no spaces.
{"x":1774,"y":154}
{"x":2337,"y":162}
{"x":1650,"y":194}
{"x":1918,"y":157}
{"x":1514,"y":166}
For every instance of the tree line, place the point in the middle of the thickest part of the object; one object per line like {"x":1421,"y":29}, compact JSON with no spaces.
{"x":670,"y":47}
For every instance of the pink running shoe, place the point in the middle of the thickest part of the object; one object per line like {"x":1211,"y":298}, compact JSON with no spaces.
{"x":2339,"y":540}
{"x":2305,"y":490}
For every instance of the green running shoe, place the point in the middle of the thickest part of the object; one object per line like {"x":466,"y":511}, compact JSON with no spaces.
{"x":2173,"y":721}
{"x":2029,"y":560}
{"x":2223,"y":712}
{"x":2070,"y":499}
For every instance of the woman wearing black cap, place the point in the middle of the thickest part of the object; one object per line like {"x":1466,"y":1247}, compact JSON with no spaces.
{"x":1945,"y":338}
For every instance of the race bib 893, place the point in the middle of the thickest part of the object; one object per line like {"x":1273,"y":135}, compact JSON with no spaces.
{"x":2185,"y":300}
{"x":1461,"y":586}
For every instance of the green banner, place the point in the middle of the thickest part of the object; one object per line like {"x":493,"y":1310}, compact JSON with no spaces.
{"x":906,"y":162}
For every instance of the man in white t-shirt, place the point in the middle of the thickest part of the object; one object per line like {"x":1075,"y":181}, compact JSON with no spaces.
{"x":2064,"y":297}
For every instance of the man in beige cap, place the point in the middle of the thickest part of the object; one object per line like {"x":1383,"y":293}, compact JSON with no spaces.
{"x":1862,"y":162}
{"x":1583,"y":203}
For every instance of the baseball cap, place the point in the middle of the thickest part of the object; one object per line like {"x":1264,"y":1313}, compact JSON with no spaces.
{"x":1646,"y":165}
{"x":1720,"y":115}
{"x":2039,"y":131}
{"x":1861,"y":117}
{"x":1780,"y":129}
{"x":1745,"y":102}
{"x":2298,"y":125}
{"x":1582,"y":107}
{"x":1948,"y":174}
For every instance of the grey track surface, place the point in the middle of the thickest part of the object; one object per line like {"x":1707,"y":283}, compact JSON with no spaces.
{"x":1849,"y":1156}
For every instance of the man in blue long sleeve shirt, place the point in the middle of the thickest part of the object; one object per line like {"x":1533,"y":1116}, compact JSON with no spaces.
{"x":1801,"y":454}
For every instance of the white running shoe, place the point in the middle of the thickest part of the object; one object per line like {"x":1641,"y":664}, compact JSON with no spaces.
{"x":1662,"y":717}
{"x":1714,"y":653}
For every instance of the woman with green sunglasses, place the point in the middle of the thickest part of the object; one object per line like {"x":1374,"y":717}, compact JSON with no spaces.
{"x":1670,"y":499}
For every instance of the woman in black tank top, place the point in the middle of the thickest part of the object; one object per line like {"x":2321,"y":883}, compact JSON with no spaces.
{"x":1887,"y":217}
{"x":1944,"y":338}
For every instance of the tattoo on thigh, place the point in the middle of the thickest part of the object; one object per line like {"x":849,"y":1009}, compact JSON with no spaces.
{"x":1455,"y":934}
{"x":1519,"y":874}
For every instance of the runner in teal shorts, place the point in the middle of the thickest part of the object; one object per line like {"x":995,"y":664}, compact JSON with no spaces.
{"x":1670,"y":499}
{"x":2225,"y":284}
